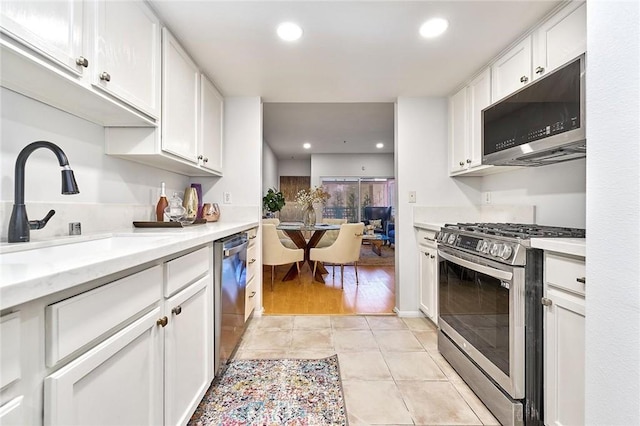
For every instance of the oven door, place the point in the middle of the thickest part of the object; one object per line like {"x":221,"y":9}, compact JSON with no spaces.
{"x":482,"y":311}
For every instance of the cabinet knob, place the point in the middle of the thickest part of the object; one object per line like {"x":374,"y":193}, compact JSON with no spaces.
{"x":200,"y":157}
{"x":251,"y":261}
{"x":104,"y":76}
{"x":82,"y":61}
{"x":163,"y":321}
{"x":468,"y":161}
{"x":253,"y":236}
{"x":546,"y":302}
{"x":582,"y":280}
{"x":205,"y":159}
{"x":177,"y":310}
{"x":253,"y":293}
{"x":539,"y":70}
{"x":461,"y":163}
{"x":524,"y":79}
{"x":432,"y":256}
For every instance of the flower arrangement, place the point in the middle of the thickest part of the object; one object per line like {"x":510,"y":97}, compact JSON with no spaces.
{"x":309,"y":197}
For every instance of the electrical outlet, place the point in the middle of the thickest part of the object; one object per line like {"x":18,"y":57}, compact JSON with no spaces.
{"x":412,"y":196}
{"x":226,"y":197}
{"x":487,"y":197}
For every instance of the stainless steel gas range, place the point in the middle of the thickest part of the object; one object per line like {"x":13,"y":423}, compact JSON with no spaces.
{"x":490,"y":287}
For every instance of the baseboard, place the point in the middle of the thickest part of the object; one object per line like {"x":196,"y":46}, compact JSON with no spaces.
{"x":408,"y":314}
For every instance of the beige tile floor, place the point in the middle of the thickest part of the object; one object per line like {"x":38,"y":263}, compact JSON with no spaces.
{"x":391,"y":370}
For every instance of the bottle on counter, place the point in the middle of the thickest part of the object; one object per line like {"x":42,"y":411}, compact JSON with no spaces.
{"x":162,"y":204}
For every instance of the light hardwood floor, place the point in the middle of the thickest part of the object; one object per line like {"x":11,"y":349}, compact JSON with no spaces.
{"x":375,"y":293}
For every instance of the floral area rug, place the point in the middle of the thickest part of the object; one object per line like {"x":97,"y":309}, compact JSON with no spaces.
{"x":275,"y":392}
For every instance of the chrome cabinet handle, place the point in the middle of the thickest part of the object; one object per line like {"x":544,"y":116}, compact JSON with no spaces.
{"x":582,"y":280}
{"x":461,"y":163}
{"x":546,"y":302}
{"x":177,"y":310}
{"x":539,"y":70}
{"x":163,"y":321}
{"x":104,"y":76}
{"x":253,"y":293}
{"x":252,"y":237}
{"x":82,"y":61}
{"x":524,"y":79}
{"x":251,"y":261}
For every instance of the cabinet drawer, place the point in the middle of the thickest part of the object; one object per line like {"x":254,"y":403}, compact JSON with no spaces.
{"x":251,"y":262}
{"x":252,"y":236}
{"x":426,"y":237}
{"x":9,"y":349}
{"x":186,"y":269}
{"x":564,"y":271}
{"x":79,"y":320}
{"x":250,"y":302}
{"x":12,"y":413}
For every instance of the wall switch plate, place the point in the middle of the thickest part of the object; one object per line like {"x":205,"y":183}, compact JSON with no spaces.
{"x":226,"y":197}
{"x":487,"y":197}
{"x":412,"y":196}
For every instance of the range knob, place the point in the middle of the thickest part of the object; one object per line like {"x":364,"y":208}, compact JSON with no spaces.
{"x":495,"y":249}
{"x":485,"y":247}
{"x":506,"y":252}
{"x":451,"y":239}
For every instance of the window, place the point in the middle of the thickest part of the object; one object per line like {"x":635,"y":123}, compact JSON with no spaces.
{"x":349,"y":196}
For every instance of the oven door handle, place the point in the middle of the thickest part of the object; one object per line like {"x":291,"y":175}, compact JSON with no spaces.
{"x":496,"y":273}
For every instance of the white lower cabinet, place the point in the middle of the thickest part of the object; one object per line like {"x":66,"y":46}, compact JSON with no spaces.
{"x":428,"y":274}
{"x":564,"y":340}
{"x":12,"y":413}
{"x":117,"y":382}
{"x":151,"y":365}
{"x":188,"y":351}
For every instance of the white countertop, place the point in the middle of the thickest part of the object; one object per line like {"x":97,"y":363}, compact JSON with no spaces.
{"x":572,"y":246}
{"x":45,"y":269}
{"x":428,"y":226}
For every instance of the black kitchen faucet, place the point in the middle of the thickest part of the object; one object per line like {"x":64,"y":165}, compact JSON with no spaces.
{"x":19,"y":224}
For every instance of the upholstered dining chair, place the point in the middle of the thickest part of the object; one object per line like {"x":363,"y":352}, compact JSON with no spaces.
{"x":284,"y":239}
{"x":274,"y":253}
{"x":346,"y":249}
{"x":330,"y":236}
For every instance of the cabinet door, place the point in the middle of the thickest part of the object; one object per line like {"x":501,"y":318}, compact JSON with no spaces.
{"x":127,"y":53}
{"x":51,"y":28}
{"x":211,"y":119}
{"x":180,"y":80}
{"x":560,"y":39}
{"x":188,"y":350}
{"x":564,"y":346}
{"x":479,"y":99}
{"x":117,"y":382}
{"x":458,"y":128}
{"x":12,"y":413}
{"x":512,"y":70}
{"x":428,"y":284}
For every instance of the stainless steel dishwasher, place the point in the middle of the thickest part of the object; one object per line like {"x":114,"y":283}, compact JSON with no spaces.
{"x":230,"y":256}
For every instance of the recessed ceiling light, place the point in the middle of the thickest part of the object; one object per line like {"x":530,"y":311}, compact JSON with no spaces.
{"x":379,"y":145}
{"x":306,"y":145}
{"x":434,"y":27}
{"x":289,"y":31}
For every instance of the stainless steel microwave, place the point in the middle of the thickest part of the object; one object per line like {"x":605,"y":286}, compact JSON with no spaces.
{"x":542,"y":123}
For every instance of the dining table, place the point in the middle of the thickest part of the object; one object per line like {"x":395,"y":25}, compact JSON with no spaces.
{"x":297,"y":231}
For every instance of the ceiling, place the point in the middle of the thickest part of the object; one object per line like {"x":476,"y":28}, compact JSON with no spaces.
{"x":351,"y":53}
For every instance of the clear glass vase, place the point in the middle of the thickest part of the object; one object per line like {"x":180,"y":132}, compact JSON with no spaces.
{"x":309,"y":216}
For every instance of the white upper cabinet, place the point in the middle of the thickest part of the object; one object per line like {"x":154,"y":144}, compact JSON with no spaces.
{"x":560,"y":39}
{"x":479,"y":98}
{"x":180,"y":98}
{"x":211,"y":130}
{"x":512,"y":70}
{"x":55,"y":29}
{"x":127,"y":53}
{"x":458,"y":131}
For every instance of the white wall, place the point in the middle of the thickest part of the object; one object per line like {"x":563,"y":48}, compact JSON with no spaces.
{"x":421,"y":166}
{"x":242,"y":162}
{"x":101,"y":179}
{"x":558,"y":191}
{"x":350,"y":165}
{"x":613,"y":213}
{"x":270,"y":177}
{"x":294,"y":167}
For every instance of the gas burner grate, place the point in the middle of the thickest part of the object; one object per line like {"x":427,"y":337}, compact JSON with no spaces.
{"x":519,"y":230}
